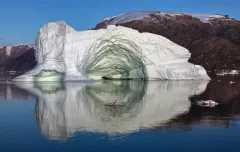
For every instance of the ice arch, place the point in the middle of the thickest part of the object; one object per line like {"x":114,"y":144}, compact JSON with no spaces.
{"x":115,"y":58}
{"x":117,"y":52}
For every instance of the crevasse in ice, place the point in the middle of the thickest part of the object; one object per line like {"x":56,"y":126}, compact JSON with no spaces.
{"x":64,"y":54}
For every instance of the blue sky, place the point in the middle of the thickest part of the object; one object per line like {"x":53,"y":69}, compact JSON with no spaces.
{"x":20,"y":20}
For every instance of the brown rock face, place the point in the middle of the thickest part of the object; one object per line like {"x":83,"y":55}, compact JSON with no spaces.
{"x":214,"y":45}
{"x":19,"y":58}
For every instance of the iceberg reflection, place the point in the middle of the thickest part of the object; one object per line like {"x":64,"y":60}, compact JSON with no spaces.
{"x":63,"y":109}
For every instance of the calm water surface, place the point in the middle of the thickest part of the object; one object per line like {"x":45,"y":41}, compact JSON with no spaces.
{"x":157,"y":116}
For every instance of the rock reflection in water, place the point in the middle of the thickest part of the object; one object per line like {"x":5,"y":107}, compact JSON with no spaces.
{"x":11,"y":92}
{"x":63,"y":109}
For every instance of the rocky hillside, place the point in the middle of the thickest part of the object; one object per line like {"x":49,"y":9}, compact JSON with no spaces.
{"x":213,"y":40}
{"x":18,"y":58}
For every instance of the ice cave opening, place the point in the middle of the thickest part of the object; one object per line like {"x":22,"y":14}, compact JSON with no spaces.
{"x":115,"y":58}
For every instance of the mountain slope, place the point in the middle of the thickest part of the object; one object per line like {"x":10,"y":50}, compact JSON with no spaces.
{"x":213,"y":40}
{"x":18,"y":58}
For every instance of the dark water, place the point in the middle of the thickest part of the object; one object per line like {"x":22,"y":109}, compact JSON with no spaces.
{"x":157,"y":116}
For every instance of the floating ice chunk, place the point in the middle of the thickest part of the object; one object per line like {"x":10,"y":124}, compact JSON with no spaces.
{"x":227,"y":72}
{"x":206,"y":103}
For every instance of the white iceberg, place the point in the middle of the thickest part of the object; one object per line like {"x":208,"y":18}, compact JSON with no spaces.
{"x":64,"y":54}
{"x":64,"y":109}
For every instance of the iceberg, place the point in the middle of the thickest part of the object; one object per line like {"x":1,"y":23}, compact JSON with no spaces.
{"x":64,"y":54}
{"x":62,"y":109}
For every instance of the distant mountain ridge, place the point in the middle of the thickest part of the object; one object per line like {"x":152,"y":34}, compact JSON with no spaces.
{"x":17,"y":58}
{"x":128,"y":17}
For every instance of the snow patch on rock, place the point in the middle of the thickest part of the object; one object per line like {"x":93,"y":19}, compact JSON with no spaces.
{"x":127,"y":17}
{"x":8,"y":50}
